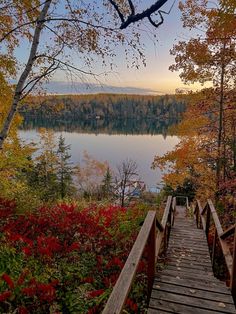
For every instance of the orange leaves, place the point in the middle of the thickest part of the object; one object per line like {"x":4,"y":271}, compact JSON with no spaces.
{"x":212,"y":46}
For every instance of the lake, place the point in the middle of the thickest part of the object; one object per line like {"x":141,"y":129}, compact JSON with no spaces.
{"x":115,"y":146}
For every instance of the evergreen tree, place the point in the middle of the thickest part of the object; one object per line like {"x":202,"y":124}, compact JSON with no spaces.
{"x":107,"y":183}
{"x":43,"y":176}
{"x":64,"y":169}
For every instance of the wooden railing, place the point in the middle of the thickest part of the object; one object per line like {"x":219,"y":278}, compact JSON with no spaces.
{"x":156,"y":236}
{"x":204,"y":218}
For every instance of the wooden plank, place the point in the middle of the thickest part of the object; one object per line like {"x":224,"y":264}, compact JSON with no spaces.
{"x":121,"y":289}
{"x":228,"y":232}
{"x":189,"y":270}
{"x":197,"y":240}
{"x":189,"y":275}
{"x":189,"y":291}
{"x":204,"y":255}
{"x":159,"y":226}
{"x":194,"y":266}
{"x":193,"y":302}
{"x":188,"y":246}
{"x":189,"y":237}
{"x":194,"y":260}
{"x":151,"y":257}
{"x":203,"y":285}
{"x":194,"y":250}
{"x":215,"y":218}
{"x":224,"y":245}
{"x":153,"y":311}
{"x":233,"y":275}
{"x":189,"y":234}
{"x":158,"y":305}
{"x":166,"y":212}
{"x":203,"y":221}
{"x":159,"y":239}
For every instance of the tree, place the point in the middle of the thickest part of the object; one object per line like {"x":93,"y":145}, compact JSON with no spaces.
{"x":126,"y":173}
{"x":44,"y":174}
{"x":89,"y":175}
{"x":74,"y":26}
{"x":210,"y":56}
{"x":107,"y":184}
{"x":64,"y":169}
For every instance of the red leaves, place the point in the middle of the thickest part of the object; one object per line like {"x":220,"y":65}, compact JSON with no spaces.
{"x":132,"y":305}
{"x":5,"y":295}
{"x":44,"y":292}
{"x":88,"y":280}
{"x":48,"y":245}
{"x":96,"y":293}
{"x":8,"y":281}
{"x":65,"y":234}
{"x":115,"y":261}
{"x":22,"y":310}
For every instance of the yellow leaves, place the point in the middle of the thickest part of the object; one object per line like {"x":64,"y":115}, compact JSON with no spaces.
{"x":90,"y":172}
{"x":13,"y":159}
{"x":48,"y":146}
{"x":192,"y":124}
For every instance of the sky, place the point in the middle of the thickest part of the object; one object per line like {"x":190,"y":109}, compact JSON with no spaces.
{"x":154,"y":78}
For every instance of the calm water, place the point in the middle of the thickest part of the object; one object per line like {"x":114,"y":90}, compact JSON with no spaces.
{"x":115,"y":148}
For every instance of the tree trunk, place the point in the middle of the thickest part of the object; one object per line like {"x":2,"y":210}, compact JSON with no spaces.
{"x":221,"y":127}
{"x":20,"y":85}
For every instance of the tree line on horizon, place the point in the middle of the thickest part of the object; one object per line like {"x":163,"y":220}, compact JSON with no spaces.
{"x":104,"y":106}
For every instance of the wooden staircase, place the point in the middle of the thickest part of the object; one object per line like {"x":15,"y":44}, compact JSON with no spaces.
{"x":186,"y":284}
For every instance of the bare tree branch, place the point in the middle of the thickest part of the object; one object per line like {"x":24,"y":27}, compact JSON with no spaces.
{"x":52,"y":68}
{"x":67,"y":65}
{"x":133,"y":18}
{"x":154,"y":23}
{"x":59,"y":19}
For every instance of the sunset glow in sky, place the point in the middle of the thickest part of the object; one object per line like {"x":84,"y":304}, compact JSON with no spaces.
{"x":154,"y":78}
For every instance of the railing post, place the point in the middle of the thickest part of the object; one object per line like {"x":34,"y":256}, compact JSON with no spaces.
{"x":214,"y":249}
{"x":233,"y":276}
{"x":208,"y":218}
{"x":197,"y":214}
{"x":151,"y":257}
{"x":173,"y":211}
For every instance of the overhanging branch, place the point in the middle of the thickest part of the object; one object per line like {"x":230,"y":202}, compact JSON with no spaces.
{"x":133,"y":18}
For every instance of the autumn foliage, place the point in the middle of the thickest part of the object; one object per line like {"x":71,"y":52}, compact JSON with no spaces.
{"x":64,"y":259}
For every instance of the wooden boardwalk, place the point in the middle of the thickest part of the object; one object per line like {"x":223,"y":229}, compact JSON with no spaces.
{"x":187,"y":284}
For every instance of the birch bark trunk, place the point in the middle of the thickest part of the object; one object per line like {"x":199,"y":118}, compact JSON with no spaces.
{"x":21,"y":82}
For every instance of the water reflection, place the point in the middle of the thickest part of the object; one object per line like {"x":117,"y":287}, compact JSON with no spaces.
{"x":113,"y":141}
{"x":102,"y":126}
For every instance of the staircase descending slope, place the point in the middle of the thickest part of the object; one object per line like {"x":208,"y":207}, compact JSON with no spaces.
{"x":187,"y":284}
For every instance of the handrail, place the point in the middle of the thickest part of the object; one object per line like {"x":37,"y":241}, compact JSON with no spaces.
{"x":203,"y":220}
{"x":148,"y":235}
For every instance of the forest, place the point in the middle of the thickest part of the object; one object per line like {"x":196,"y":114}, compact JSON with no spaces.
{"x":104,"y":106}
{"x":65,"y":231}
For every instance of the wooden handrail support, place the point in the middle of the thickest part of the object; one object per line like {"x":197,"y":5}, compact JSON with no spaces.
{"x":148,"y":235}
{"x":209,"y":211}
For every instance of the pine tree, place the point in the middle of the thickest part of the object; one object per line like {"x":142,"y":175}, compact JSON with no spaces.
{"x":44,"y":174}
{"x":107,"y":183}
{"x":64,"y":170}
